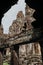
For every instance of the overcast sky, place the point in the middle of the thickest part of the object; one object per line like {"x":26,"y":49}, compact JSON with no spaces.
{"x":10,"y":15}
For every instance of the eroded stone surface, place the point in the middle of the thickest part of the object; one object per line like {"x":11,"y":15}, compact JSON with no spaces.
{"x":21,"y":31}
{"x":28,"y":54}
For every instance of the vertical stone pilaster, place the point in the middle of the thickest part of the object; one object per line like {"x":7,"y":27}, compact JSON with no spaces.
{"x":14,"y":58}
{"x":8,"y":54}
{"x":7,"y":51}
{"x":22,"y":55}
{"x":37,"y":48}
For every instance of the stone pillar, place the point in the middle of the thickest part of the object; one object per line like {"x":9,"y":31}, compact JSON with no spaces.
{"x":22,"y":55}
{"x":1,"y":59}
{"x":14,"y":58}
{"x":8,"y":51}
{"x":37,"y":48}
{"x":8,"y":54}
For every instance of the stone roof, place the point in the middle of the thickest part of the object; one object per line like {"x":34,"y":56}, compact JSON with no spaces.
{"x":20,"y":29}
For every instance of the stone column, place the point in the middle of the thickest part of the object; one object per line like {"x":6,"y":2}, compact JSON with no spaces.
{"x":22,"y":55}
{"x":7,"y":51}
{"x":1,"y":59}
{"x":14,"y":58}
{"x":37,"y":48}
{"x":8,"y":55}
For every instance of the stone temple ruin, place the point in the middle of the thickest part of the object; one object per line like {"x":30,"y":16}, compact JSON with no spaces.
{"x":15,"y":48}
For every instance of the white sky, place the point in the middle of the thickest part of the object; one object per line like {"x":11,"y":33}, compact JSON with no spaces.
{"x":10,"y":15}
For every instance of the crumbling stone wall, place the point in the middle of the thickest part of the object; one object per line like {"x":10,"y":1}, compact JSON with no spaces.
{"x":29,"y":54}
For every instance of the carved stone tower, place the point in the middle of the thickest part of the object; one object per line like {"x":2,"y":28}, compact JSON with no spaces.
{"x":30,"y":54}
{"x":20,"y":34}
